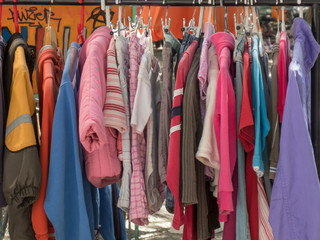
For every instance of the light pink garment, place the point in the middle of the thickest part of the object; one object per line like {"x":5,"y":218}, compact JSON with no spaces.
{"x":208,"y":152}
{"x":203,"y":67}
{"x":99,"y":142}
{"x":138,"y":200}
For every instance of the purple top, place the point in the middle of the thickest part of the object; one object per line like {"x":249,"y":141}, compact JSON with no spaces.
{"x":295,"y":208}
{"x":203,"y":68}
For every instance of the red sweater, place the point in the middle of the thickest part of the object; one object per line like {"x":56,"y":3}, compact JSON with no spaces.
{"x":173,"y":168}
{"x":246,"y":135}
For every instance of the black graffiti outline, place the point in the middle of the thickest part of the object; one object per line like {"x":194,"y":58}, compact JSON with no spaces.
{"x":95,"y":15}
{"x":32,"y":15}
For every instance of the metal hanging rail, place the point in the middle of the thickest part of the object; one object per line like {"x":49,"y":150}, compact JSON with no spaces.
{"x":163,"y":2}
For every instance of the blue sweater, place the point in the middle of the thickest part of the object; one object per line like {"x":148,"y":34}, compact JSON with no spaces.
{"x":68,"y":202}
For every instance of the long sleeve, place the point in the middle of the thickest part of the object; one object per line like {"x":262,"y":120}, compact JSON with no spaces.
{"x":21,"y":168}
{"x":225,"y":123}
{"x":294,"y":210}
{"x":68,"y":213}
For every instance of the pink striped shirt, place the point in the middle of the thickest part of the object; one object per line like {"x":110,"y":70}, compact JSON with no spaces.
{"x":265,"y":231}
{"x":113,"y":109}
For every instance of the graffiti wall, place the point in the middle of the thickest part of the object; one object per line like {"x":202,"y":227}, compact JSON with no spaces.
{"x":64,"y":19}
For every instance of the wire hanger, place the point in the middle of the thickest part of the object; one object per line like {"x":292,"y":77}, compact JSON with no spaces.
{"x":81,"y":25}
{"x":15,"y":16}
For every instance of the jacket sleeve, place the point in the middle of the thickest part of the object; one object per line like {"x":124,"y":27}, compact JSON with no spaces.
{"x":22,"y":171}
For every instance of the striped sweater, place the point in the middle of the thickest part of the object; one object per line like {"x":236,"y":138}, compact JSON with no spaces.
{"x":173,"y":168}
{"x":113,"y":110}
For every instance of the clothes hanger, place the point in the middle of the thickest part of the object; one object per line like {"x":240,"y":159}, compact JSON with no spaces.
{"x":166,"y":23}
{"x":119,"y":29}
{"x":81,"y":25}
{"x":215,"y":14}
{"x":210,"y":14}
{"x":261,"y":47}
{"x":146,"y":27}
{"x":300,"y":9}
{"x":283,"y":24}
{"x":15,"y":16}
{"x":124,"y":17}
{"x":191,"y":27}
{"x":226,"y":20}
{"x":278,"y":28}
{"x":253,"y":10}
{"x":108,"y":18}
{"x":137,"y":24}
{"x":200,"y":23}
{"x":50,"y":36}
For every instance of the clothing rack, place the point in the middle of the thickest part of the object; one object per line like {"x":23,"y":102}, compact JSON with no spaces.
{"x":163,"y":2}
{"x":315,"y":4}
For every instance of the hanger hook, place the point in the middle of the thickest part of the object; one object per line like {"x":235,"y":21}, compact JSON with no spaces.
{"x":50,"y":13}
{"x":226,"y":19}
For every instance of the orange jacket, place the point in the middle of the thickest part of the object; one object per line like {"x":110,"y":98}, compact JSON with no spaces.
{"x":50,"y":69}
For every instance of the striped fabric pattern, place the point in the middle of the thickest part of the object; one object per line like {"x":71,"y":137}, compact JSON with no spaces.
{"x":113,"y":109}
{"x":265,"y":230}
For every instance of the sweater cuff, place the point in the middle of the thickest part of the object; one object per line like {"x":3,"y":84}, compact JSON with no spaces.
{"x":225,"y":203}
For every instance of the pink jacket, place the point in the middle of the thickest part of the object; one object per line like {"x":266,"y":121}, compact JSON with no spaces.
{"x":99,"y":142}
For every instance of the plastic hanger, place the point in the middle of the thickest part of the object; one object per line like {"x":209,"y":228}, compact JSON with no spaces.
{"x":261,"y":48}
{"x":210,"y":15}
{"x":191,"y":26}
{"x":166,"y":23}
{"x":50,"y":36}
{"x":226,"y":20}
{"x":15,"y":16}
{"x":200,"y":23}
{"x":124,"y":18}
{"x":119,"y":29}
{"x":108,"y":19}
{"x":146,"y":27}
{"x":246,"y":17}
{"x":278,"y":28}
{"x":215,"y":14}
{"x":253,"y":10}
{"x":81,"y":24}
{"x":300,"y":9}
{"x":283,"y":24}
